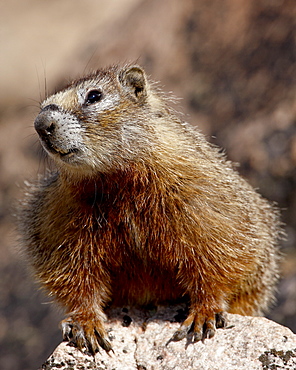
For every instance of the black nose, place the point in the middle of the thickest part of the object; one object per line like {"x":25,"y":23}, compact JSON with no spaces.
{"x":45,"y":123}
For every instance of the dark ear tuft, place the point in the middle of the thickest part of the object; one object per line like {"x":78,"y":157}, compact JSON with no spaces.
{"x":133,"y":79}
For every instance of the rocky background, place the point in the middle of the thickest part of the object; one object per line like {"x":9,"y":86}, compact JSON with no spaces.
{"x":231,"y":63}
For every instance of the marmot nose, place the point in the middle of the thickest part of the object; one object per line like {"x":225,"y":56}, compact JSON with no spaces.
{"x":45,"y":123}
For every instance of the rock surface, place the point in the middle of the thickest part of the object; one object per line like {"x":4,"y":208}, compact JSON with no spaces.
{"x":140,"y":339}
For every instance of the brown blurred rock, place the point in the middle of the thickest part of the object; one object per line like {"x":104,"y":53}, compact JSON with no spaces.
{"x":248,"y":343}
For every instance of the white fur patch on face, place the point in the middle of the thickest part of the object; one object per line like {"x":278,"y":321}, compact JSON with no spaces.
{"x":66,"y":100}
{"x":68,"y":130}
{"x":63,"y":138}
{"x":107,"y":102}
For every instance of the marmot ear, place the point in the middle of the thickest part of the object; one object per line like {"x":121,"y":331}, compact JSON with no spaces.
{"x":133,"y":79}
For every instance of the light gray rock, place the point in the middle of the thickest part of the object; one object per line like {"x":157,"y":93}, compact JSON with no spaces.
{"x":247,"y":343}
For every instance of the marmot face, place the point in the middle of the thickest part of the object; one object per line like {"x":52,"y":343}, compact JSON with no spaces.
{"x":88,"y":127}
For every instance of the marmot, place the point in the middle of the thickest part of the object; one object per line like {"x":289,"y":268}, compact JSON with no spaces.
{"x":140,"y":210}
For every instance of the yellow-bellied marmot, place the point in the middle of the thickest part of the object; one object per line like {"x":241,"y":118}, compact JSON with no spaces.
{"x":142,"y":209}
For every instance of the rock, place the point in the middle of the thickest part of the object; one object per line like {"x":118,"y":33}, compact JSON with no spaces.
{"x":140,"y":339}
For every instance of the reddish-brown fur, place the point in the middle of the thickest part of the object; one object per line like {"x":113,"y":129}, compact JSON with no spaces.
{"x":171,"y":221}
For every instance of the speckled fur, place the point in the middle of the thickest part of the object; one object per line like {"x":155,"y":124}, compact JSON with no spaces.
{"x":143,"y":210}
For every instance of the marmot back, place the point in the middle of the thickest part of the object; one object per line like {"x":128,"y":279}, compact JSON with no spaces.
{"x":141,"y":210}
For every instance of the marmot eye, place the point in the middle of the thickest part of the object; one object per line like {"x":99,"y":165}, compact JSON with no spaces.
{"x":93,"y":96}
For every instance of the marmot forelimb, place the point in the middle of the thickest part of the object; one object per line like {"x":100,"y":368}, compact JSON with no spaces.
{"x":142,"y":210}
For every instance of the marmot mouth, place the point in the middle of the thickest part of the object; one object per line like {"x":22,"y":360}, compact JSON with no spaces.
{"x":57,"y":150}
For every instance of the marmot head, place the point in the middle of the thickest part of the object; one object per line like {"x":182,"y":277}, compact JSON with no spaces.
{"x":99,"y":123}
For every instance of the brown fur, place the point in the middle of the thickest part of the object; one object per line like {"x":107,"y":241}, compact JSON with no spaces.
{"x":144,"y":210}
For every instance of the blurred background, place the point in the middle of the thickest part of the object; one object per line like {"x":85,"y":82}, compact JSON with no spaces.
{"x":231,"y":63}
